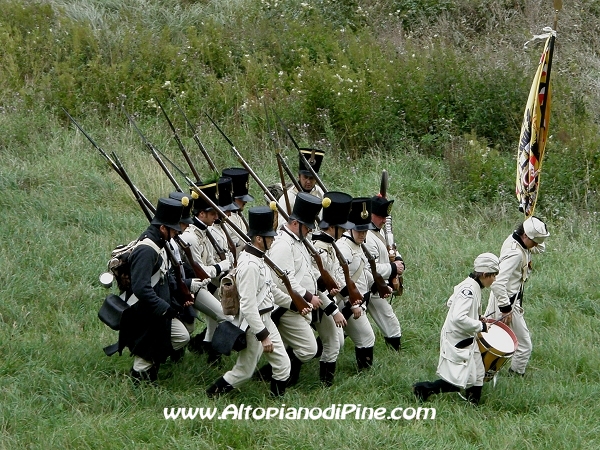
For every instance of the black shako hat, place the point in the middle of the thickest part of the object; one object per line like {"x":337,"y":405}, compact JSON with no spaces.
{"x":381,"y":206}
{"x":260,"y":221}
{"x":225,"y":191}
{"x":306,"y":209}
{"x":314,"y":158}
{"x":241,"y":183}
{"x":188,"y":203}
{"x":168,"y":213}
{"x":208,"y":189}
{"x":360,"y":214}
{"x":336,"y":214}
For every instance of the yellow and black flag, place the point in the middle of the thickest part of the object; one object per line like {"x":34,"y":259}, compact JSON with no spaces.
{"x":534,"y":132}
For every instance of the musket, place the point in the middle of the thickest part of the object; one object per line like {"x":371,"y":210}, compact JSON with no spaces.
{"x":185,"y":296}
{"x":353,"y":292}
{"x":297,"y":299}
{"x":185,"y":153}
{"x":326,"y":277}
{"x":397,"y":281}
{"x":382,"y":288}
{"x":286,"y":197}
{"x":153,"y":150}
{"x":145,"y":204}
{"x":96,"y":146}
{"x":220,"y":251}
{"x":197,"y":139}
{"x":302,"y":157}
{"x":282,"y":178}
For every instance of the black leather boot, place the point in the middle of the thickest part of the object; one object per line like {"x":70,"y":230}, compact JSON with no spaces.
{"x":473,"y":394}
{"x":219,"y":387}
{"x":364,"y":357}
{"x":278,"y":387}
{"x":150,"y":375}
{"x":296,"y":365}
{"x":319,"y":347}
{"x":394,"y":342}
{"x":327,"y":372}
{"x":196,"y":343}
{"x":265,"y":373}
{"x":177,"y":355}
{"x":424,"y":389}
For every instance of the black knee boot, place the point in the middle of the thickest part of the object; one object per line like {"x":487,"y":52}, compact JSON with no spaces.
{"x":278,"y":387}
{"x":265,"y":373}
{"x":424,"y":389}
{"x":364,"y":357}
{"x":327,"y":372}
{"x":296,"y":365}
{"x":473,"y":394}
{"x":394,"y":342}
{"x":196,"y":343}
{"x":319,"y":347}
{"x":219,"y":387}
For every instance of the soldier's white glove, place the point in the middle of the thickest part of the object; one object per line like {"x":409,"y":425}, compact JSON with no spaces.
{"x":224,"y":265}
{"x":197,"y":284}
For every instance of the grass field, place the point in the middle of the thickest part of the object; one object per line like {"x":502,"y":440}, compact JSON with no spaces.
{"x":432,"y":91}
{"x":63,"y":211}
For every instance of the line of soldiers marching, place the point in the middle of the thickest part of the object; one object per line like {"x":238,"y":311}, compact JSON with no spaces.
{"x":333,"y":254}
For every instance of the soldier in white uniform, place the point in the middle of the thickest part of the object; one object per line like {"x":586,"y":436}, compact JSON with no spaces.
{"x":335,"y":221}
{"x":307,"y":182}
{"x":506,"y":298}
{"x":240,"y":179}
{"x":258,"y":295}
{"x":204,"y":254}
{"x":225,"y":237}
{"x":359,"y":329}
{"x":460,"y":365}
{"x":290,"y":254}
{"x":379,"y":308}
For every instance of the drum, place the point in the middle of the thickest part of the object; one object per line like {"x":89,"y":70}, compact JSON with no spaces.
{"x":497,"y":346}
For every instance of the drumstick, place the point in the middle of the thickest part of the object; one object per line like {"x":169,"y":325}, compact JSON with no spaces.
{"x":500,"y":319}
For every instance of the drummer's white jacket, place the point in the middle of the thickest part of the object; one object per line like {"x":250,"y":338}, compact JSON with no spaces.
{"x":257,"y":291}
{"x":462,"y":322}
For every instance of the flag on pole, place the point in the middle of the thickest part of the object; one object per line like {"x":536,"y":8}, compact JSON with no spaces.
{"x":534,"y":132}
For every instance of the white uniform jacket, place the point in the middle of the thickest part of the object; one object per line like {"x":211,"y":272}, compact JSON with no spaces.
{"x":460,"y":328}
{"x":323,"y":243}
{"x":357,"y":261}
{"x":292,"y":193}
{"x":291,"y":256}
{"x":202,"y":249}
{"x":258,"y":292}
{"x":375,"y":243}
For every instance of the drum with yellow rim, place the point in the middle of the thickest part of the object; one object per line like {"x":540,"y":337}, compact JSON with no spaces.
{"x":497,"y":346}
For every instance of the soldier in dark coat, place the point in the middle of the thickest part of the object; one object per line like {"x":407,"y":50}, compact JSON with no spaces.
{"x":149,"y":328}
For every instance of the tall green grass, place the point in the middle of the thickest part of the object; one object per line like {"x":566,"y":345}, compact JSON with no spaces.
{"x":431,"y":91}
{"x":64,"y":210}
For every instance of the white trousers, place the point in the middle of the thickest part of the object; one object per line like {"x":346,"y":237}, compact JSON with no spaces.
{"x":296,"y":333}
{"x":248,"y":358}
{"x":521,"y":356}
{"x":210,"y":306}
{"x":384,"y":316}
{"x":359,"y":330}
